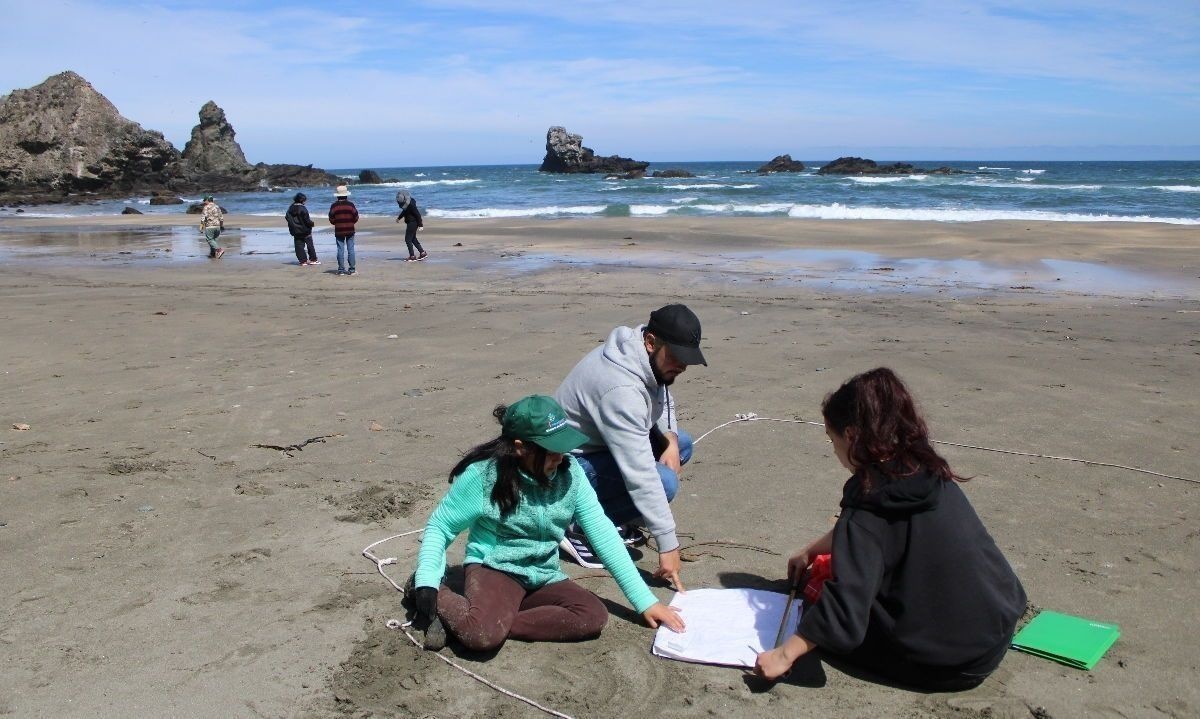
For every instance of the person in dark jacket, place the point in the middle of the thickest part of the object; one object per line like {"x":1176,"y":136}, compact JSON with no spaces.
{"x":343,"y":215}
{"x":919,"y":593}
{"x":300,"y":225}
{"x":412,"y":222}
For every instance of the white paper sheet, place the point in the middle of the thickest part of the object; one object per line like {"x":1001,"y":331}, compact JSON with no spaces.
{"x":725,"y":626}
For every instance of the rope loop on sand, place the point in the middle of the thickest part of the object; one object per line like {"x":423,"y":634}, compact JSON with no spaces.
{"x":752,"y":417}
{"x":739,"y":417}
{"x":404,"y":627}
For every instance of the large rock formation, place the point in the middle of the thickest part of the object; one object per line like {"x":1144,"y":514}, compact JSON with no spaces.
{"x":781,"y":163}
{"x":565,"y":153}
{"x":63,"y":137}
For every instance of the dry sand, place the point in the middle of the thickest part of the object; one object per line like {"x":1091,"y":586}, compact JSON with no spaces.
{"x":158,"y":563}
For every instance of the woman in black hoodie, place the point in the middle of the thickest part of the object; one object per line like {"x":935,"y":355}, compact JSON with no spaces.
{"x":920,"y":592}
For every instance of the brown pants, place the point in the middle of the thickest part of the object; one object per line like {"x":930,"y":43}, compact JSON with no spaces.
{"x":496,"y":607}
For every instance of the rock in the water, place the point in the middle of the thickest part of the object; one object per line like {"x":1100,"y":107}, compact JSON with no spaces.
{"x":565,"y":153}
{"x":671,"y":173}
{"x":63,"y":137}
{"x":369,"y":177}
{"x":859,"y":166}
{"x":631,"y":175}
{"x":781,"y":163}
{"x":131,"y":211}
{"x":159,"y":197}
{"x":297,"y":175}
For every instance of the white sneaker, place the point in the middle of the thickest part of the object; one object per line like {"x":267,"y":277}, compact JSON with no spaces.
{"x":576,"y":547}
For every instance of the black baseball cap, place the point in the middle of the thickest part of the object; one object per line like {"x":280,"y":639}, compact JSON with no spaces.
{"x":679,"y":328}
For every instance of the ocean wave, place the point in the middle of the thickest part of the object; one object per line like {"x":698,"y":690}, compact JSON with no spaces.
{"x":840,"y":212}
{"x":684,"y":200}
{"x":985,"y":167}
{"x":424,"y":183}
{"x":709,"y":186}
{"x":876,"y":180}
{"x":486,"y":212}
{"x":1032,"y":172}
{"x":765,"y":208}
{"x":650,"y":210}
{"x":1176,"y":188}
{"x":1017,"y":186}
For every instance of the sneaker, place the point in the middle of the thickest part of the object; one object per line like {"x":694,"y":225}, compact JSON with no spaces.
{"x":410,"y":258}
{"x":220,"y":251}
{"x":303,"y":264}
{"x":575,"y":546}
{"x":341,"y":272}
{"x":422,"y":256}
{"x":632,"y":535}
{"x":314,"y":262}
{"x":352,"y":272}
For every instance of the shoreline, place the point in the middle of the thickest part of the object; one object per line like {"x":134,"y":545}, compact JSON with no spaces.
{"x":1101,"y":259}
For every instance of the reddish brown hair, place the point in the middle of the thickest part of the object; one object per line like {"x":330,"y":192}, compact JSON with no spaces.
{"x":890,"y":438}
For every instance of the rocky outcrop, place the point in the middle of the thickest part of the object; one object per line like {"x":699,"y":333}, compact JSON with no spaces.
{"x":565,"y":153}
{"x":213,"y":147}
{"x":131,"y":211}
{"x":859,"y":166}
{"x":671,"y":173}
{"x":62,"y":140}
{"x":296,"y":176}
{"x":781,"y":163}
{"x":164,"y":197}
{"x":62,"y":137}
{"x":369,"y":177}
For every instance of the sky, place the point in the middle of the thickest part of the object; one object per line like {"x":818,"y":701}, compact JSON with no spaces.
{"x":448,"y":82}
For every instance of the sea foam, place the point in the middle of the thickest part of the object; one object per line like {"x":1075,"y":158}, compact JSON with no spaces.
{"x":840,"y":212}
{"x":486,"y":212}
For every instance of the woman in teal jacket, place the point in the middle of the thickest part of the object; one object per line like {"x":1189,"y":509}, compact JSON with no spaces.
{"x":516,"y":495}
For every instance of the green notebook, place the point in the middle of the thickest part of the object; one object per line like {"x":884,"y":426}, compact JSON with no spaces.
{"x":1073,"y":641}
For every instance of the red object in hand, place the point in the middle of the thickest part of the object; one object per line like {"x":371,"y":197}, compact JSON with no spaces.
{"x":820,"y":570}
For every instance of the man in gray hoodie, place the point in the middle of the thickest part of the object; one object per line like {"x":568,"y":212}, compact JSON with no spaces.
{"x":618,"y":397}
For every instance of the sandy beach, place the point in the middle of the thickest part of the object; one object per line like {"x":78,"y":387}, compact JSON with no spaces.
{"x":163,"y":560}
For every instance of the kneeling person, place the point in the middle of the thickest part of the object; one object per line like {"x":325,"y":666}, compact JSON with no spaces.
{"x":515,"y":495}
{"x":618,"y":396}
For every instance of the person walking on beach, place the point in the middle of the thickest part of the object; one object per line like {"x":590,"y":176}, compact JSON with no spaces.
{"x":412,"y":222}
{"x":343,"y":215}
{"x":515,"y":496}
{"x":212,"y":222}
{"x":300,"y":225}
{"x":917,"y":590}
{"x":618,"y":396}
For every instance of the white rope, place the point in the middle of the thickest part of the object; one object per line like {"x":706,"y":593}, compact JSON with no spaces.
{"x":752,"y":417}
{"x":403,"y":626}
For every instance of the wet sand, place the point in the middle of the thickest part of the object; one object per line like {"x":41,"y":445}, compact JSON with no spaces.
{"x":159,"y":563}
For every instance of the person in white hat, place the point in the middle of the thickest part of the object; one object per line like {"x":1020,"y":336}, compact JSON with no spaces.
{"x":343,"y":215}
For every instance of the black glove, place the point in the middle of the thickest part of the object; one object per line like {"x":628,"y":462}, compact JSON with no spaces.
{"x":426,"y":598}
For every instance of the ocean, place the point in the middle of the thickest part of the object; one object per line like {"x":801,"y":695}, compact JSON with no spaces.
{"x":1166,"y":192}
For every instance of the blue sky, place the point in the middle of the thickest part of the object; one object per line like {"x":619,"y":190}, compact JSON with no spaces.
{"x":345,"y":85}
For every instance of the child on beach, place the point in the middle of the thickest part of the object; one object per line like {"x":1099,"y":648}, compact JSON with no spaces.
{"x":919,"y":592}
{"x":515,"y":495}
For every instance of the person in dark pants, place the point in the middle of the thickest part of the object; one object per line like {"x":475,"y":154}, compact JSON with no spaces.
{"x":920,"y":593}
{"x":343,"y":215}
{"x":300,"y":225}
{"x":412,"y":222}
{"x":515,"y":496}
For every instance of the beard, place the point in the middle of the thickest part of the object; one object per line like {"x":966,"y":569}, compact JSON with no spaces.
{"x":658,"y":375}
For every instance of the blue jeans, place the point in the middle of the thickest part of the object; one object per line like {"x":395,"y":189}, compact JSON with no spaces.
{"x":605,"y":477}
{"x":345,"y":245}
